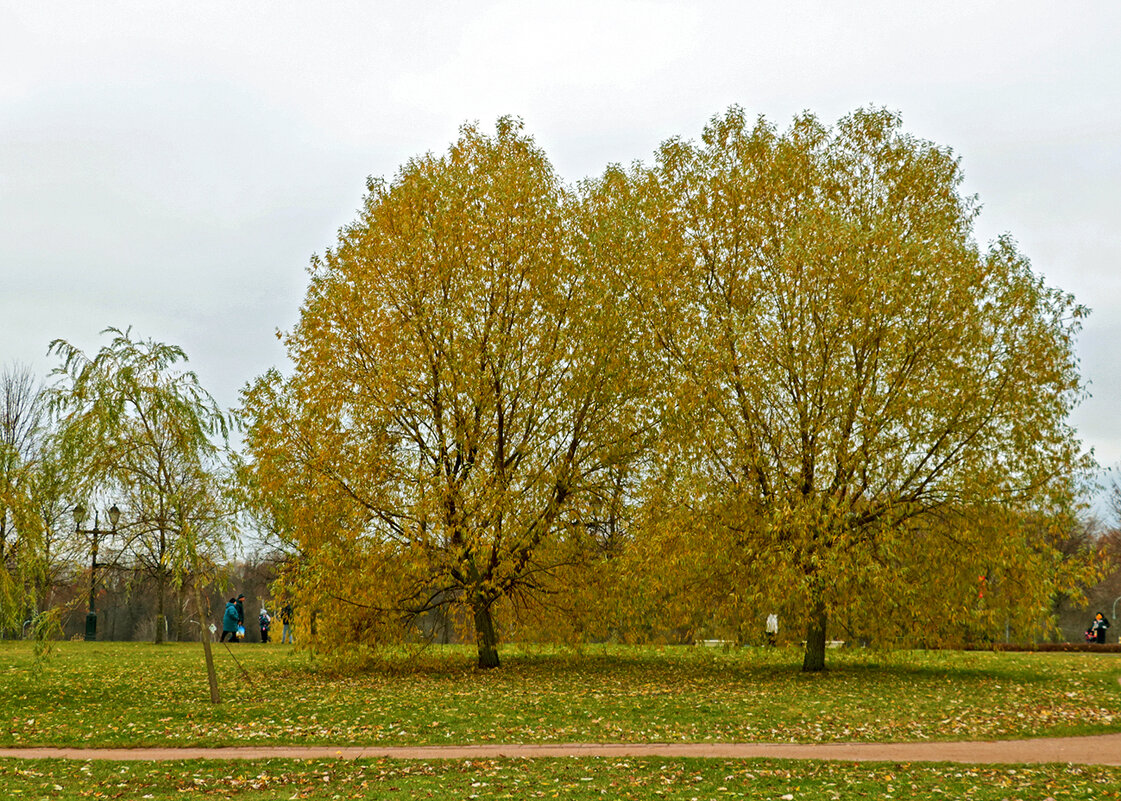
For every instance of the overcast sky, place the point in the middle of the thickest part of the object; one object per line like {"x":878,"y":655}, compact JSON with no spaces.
{"x":173,"y":166}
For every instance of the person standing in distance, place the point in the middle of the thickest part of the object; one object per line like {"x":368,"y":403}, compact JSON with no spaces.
{"x":1098,"y":627}
{"x":286,"y":619}
{"x":264,"y":621}
{"x":772,"y":629}
{"x":240,"y":606}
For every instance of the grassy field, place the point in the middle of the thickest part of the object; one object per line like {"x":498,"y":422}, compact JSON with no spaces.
{"x":686,"y":779}
{"x":136,"y":694}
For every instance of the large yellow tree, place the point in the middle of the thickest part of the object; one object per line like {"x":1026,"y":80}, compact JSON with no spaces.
{"x":850,"y":362}
{"x":465,"y":390}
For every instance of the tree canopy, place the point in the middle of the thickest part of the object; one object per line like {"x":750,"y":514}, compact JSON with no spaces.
{"x":465,"y":381}
{"x":856,"y":368}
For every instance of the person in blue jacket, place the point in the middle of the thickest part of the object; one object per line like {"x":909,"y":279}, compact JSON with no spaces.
{"x":229,"y":622}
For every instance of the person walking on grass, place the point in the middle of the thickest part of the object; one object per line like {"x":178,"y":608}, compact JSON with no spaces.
{"x":229,"y":622}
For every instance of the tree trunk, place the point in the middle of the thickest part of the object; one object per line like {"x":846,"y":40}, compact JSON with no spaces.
{"x":204,"y":635}
{"x":484,"y":635}
{"x":183,"y":615}
{"x":161,"y":621}
{"x":202,"y":612}
{"x":815,"y":636}
{"x":161,"y":587}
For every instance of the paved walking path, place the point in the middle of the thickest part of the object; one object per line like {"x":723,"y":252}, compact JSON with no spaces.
{"x":1096,"y":750}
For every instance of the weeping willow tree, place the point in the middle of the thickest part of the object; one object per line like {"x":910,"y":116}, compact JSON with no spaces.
{"x":154,"y":439}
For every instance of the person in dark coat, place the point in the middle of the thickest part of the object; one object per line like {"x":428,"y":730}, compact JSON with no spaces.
{"x":229,"y":622}
{"x":240,"y":604}
{"x":286,"y":619}
{"x":264,"y":620}
{"x":1098,"y":627}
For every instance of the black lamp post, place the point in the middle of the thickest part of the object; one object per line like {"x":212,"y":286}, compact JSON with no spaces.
{"x":95,"y":532}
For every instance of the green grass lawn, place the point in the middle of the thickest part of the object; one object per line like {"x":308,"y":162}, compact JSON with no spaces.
{"x":686,"y":779}
{"x":136,"y":694}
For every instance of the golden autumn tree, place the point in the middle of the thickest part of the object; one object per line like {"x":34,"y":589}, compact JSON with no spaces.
{"x":465,"y":391}
{"x":854,"y":371}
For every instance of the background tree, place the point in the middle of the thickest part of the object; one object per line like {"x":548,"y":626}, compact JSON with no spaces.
{"x":852,"y":367}
{"x":23,"y":421}
{"x":54,"y":480}
{"x":465,"y":387}
{"x":40,"y":555}
{"x":154,"y":439}
{"x":1102,"y":574}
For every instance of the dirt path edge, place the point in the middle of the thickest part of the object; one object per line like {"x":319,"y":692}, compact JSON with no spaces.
{"x":1093,"y":750}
